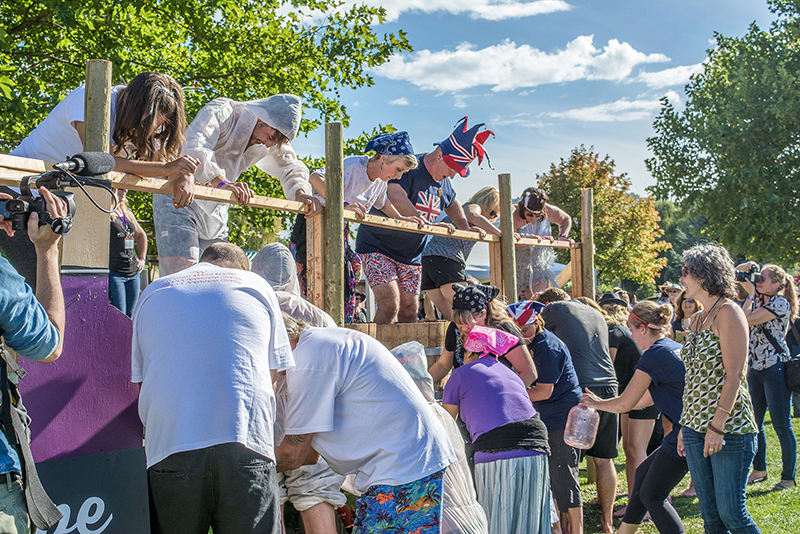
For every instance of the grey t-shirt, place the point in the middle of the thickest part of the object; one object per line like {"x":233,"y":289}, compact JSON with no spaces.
{"x":584,"y":332}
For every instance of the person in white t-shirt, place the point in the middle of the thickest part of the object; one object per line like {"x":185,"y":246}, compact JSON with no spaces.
{"x":207,"y":343}
{"x":227,"y":138}
{"x":148,"y":127}
{"x":350,"y":401}
{"x":365,"y":180}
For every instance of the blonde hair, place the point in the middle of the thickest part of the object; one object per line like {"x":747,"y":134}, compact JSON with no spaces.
{"x":496,"y":317}
{"x":654,"y":317}
{"x":294,"y":327}
{"x":485,"y":199}
{"x":616,"y":313}
{"x":409,"y":159}
{"x":786,"y":289}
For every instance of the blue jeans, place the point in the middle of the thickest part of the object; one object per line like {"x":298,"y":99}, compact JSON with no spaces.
{"x":123,"y":292}
{"x":720,"y":481}
{"x":768,"y":390}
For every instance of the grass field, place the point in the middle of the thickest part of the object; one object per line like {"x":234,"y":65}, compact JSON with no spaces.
{"x":775,"y":512}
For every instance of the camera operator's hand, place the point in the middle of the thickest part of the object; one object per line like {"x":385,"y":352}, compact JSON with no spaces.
{"x":183,"y":190}
{"x":5,"y":224}
{"x":43,"y":237}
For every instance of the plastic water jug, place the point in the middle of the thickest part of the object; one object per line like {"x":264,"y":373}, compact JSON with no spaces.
{"x":581,"y":429}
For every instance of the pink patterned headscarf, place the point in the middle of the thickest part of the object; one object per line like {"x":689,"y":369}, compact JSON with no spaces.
{"x":485,"y":340}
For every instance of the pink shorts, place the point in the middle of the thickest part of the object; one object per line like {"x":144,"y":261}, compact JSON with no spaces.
{"x":380,"y":269}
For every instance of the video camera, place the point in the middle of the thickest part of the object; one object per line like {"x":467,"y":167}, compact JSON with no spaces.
{"x":753,"y":275}
{"x":77,"y":171}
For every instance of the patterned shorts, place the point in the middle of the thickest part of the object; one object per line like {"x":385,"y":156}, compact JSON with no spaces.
{"x":413,"y":508}
{"x":380,"y":269}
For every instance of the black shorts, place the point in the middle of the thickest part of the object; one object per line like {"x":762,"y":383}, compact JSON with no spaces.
{"x":564,"y":482}
{"x":438,"y":271}
{"x":605,"y":446}
{"x":649,"y":413}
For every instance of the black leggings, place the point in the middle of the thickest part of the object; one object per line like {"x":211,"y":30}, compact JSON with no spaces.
{"x":656,"y":476}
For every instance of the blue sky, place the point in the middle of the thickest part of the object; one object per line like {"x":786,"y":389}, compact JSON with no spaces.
{"x":545,"y":75}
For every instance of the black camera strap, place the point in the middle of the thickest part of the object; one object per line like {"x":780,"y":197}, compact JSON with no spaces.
{"x":41,"y":509}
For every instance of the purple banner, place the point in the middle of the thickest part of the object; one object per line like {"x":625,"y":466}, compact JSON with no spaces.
{"x":84,"y":403}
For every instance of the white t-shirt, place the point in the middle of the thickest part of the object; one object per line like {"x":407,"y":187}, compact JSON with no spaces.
{"x":204,"y":341}
{"x":56,"y":139}
{"x":366,"y":413}
{"x":358,"y":188}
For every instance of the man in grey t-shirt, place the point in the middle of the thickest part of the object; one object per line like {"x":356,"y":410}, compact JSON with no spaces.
{"x":584,"y":331}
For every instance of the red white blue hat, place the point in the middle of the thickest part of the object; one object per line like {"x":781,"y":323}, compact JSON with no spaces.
{"x":525,"y":311}
{"x":463,"y":146}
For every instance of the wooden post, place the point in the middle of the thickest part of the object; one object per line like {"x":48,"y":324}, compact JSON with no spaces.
{"x":495,"y":265}
{"x":509,"y":263}
{"x":315,"y":261}
{"x":333,"y":219}
{"x":587,"y":242}
{"x":576,"y":264}
{"x":86,"y":246}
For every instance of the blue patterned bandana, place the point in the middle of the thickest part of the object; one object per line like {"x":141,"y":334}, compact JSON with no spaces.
{"x":391,"y":144}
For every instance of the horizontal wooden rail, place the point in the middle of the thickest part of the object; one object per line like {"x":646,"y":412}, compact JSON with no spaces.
{"x":13,"y":168}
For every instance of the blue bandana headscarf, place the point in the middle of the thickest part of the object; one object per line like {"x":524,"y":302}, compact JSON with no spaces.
{"x":391,"y":144}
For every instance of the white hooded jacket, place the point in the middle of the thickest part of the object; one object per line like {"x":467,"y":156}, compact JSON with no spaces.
{"x":218,"y":137}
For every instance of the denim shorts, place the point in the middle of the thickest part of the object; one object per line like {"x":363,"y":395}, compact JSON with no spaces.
{"x":184,"y":232}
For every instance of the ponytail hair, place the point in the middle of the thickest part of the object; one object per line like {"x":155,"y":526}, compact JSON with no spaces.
{"x":786,"y":289}
{"x":654,"y":317}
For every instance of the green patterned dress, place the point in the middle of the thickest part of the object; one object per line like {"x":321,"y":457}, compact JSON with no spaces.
{"x":705,"y":374}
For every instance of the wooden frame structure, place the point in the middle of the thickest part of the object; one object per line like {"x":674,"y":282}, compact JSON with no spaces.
{"x":87,"y":244}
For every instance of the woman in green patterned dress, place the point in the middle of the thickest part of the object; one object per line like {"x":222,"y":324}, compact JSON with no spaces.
{"x":718,"y":434}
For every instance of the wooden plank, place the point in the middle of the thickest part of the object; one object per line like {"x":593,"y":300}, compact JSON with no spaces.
{"x":495,"y":265}
{"x":508,"y":262}
{"x":587,"y":241}
{"x":333,"y":221}
{"x":315,"y":259}
{"x":577,"y":271}
{"x":86,"y":246}
{"x":563,"y":277}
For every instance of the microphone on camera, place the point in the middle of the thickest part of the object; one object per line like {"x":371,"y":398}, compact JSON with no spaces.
{"x":88,"y":164}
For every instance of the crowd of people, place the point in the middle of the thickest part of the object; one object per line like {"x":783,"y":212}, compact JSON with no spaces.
{"x":251,"y":396}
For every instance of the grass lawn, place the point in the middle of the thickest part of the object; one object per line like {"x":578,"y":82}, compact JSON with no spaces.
{"x":775,"y":512}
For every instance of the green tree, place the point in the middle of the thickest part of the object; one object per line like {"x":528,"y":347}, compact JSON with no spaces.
{"x":682,"y":229}
{"x":626,"y":232}
{"x":733,"y":154}
{"x":241,"y":49}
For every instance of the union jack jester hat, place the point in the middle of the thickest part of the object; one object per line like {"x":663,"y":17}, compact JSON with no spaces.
{"x":463,"y":146}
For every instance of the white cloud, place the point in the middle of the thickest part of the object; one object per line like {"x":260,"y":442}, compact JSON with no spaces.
{"x":521,"y":119}
{"x":669,"y":77}
{"x":620,"y":111}
{"x":507,"y":66}
{"x":402,"y":101}
{"x":476,"y":9}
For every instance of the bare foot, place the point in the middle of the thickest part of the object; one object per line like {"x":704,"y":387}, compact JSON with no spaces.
{"x":757,"y":476}
{"x":620,"y":512}
{"x":689,"y":492}
{"x":606,"y":527}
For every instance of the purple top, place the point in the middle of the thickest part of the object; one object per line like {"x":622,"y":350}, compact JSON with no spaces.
{"x":489,"y":395}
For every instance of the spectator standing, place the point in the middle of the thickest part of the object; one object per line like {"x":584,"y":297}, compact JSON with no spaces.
{"x":770,"y":307}
{"x":206,"y":397}
{"x":718,"y":428}
{"x":127,"y":250}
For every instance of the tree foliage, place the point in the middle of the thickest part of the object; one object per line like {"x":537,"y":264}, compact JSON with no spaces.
{"x":241,"y":49}
{"x":682,"y":229}
{"x":626,"y":232}
{"x":732,"y":154}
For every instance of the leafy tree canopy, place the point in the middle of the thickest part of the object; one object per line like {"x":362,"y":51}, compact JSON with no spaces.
{"x":732,"y":154}
{"x":626,"y":232}
{"x":241,"y":49}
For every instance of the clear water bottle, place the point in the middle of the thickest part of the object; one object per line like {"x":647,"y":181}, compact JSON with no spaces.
{"x":581,"y":429}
